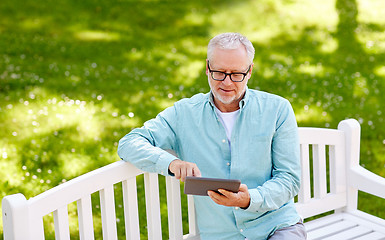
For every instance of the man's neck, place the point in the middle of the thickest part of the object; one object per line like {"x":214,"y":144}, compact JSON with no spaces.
{"x":231,"y":107}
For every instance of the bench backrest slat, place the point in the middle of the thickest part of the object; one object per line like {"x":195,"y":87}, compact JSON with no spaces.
{"x":130,"y":203}
{"x":319,"y":171}
{"x":304,"y":194}
{"x":174,"y":209}
{"x":107,"y":206}
{"x":86,"y":225}
{"x":154,"y":226}
{"x":193,"y":227}
{"x":62,"y":229}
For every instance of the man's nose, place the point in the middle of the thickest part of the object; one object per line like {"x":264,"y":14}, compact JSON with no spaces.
{"x":227,"y":80}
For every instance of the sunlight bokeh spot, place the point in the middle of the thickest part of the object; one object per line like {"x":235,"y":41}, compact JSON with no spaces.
{"x":91,"y":35}
{"x":312,"y":113}
{"x":360,"y":87}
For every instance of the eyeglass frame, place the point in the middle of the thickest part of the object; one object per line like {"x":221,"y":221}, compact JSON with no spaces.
{"x":227,"y":74}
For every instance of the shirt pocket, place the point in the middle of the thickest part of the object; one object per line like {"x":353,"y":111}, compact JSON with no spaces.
{"x":259,"y":154}
{"x":261,"y":144}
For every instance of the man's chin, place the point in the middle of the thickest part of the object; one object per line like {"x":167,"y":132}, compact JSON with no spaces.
{"x":226,"y":100}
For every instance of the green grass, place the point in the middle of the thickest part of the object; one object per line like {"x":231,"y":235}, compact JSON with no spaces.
{"x":75,"y":76}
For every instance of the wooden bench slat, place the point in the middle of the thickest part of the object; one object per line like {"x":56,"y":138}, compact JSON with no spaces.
{"x":62,"y":229}
{"x":372,"y":236}
{"x":319,"y":171}
{"x":336,"y":162}
{"x":304,"y":191}
{"x":350,"y":233}
{"x":174,"y":209}
{"x":193,"y":228}
{"x":152,"y":206}
{"x":329,"y":230}
{"x":86,"y":226}
{"x":367,"y":220}
{"x":130,"y":203}
{"x":107,"y":205}
{"x":309,"y":135}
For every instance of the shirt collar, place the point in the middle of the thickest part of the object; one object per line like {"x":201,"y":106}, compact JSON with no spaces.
{"x":242,"y":103}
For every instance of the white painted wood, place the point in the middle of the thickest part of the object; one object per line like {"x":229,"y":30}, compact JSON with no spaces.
{"x":323,"y":222}
{"x":107,"y":207}
{"x":330,"y":226}
{"x":317,"y":206}
{"x":309,"y":135}
{"x":372,"y":236}
{"x":174,"y":209}
{"x":86,"y":226}
{"x":130,"y":203}
{"x":304,"y":194}
{"x":366,"y":181}
{"x":75,"y":189}
{"x":16,"y":219}
{"x":319,"y":171}
{"x":36,"y":227}
{"x":351,"y":129}
{"x":154,"y":227}
{"x":350,"y":233}
{"x":62,"y":229}
{"x":330,"y":230}
{"x":375,"y":223}
{"x":337,"y":168}
{"x":193,"y":227}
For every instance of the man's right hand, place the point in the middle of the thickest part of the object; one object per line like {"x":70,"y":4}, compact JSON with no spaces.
{"x":182,"y":169}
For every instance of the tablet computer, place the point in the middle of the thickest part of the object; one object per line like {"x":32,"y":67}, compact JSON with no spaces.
{"x":200,"y":185}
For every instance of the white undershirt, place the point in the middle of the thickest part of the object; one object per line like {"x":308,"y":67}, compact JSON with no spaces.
{"x":228,"y":121}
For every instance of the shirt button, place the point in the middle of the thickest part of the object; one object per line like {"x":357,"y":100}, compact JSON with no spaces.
{"x":236,"y":208}
{"x":228,"y":164}
{"x":241,"y":230}
{"x":224,"y":140}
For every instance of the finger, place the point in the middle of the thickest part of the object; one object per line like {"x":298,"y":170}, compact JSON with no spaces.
{"x":185,"y":172}
{"x":177,"y":174}
{"x":189,"y":171}
{"x":243,"y":188}
{"x":196,"y":172}
{"x":214,"y":196}
{"x":226,"y":193}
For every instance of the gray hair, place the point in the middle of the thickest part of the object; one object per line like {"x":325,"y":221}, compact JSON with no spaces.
{"x":230,"y":41}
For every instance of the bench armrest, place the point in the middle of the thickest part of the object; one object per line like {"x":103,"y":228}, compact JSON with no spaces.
{"x":367,"y":181}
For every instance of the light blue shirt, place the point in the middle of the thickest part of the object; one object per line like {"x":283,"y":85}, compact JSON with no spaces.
{"x":264,"y":155}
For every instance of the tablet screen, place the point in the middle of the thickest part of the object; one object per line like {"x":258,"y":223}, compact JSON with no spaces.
{"x":200,"y":186}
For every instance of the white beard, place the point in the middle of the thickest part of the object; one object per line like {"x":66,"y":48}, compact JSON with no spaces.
{"x":227,"y":99}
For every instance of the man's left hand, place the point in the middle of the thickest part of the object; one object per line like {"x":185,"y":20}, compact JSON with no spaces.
{"x":230,"y":199}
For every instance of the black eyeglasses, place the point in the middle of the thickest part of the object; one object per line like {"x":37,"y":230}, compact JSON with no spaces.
{"x":234,"y":76}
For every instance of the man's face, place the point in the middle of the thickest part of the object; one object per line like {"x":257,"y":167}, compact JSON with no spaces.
{"x":227,"y":93}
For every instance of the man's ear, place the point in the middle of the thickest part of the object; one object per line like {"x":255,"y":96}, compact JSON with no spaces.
{"x":251,"y":69}
{"x":207,"y":68}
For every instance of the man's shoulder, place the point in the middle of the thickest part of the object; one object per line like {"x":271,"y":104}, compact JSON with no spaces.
{"x":196,"y":99}
{"x":257,"y":95}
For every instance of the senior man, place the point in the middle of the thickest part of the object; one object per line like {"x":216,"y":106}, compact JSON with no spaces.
{"x":231,"y":132}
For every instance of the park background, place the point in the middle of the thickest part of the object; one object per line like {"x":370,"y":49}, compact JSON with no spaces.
{"x":76,"y":76}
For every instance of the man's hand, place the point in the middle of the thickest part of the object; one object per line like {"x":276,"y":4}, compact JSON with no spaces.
{"x":230,"y":199}
{"x":182,"y":169}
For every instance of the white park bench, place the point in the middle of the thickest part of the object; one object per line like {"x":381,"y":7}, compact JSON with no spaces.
{"x":333,"y":186}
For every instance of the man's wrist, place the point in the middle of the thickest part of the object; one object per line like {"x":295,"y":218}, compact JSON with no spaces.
{"x":169,"y":167}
